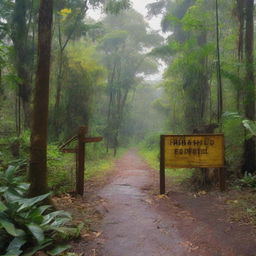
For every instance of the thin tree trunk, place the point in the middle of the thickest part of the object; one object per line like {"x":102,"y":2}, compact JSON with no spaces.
{"x":20,"y":41}
{"x":62,"y":46}
{"x":240,"y":16}
{"x":220,"y":96}
{"x":240,"y":45}
{"x":1,"y":84}
{"x":249,"y":164}
{"x":38,"y":160}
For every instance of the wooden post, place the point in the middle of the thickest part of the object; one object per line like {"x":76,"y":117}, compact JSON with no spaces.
{"x":222,"y":179}
{"x":81,"y":158}
{"x":162,"y":165}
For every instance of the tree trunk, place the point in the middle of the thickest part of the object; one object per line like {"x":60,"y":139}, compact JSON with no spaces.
{"x":1,"y":84}
{"x":240,"y":16}
{"x":38,"y":160}
{"x":20,"y":42}
{"x":249,"y":145}
{"x":240,"y":13}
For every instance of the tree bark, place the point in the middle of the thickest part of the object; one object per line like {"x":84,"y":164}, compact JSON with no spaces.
{"x":249,"y":163}
{"x":20,"y":42}
{"x":240,"y":16}
{"x":240,"y":13}
{"x":38,"y":158}
{"x":1,"y":84}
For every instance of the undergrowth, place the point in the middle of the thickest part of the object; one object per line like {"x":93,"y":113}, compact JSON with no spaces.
{"x":26,"y":225}
{"x":61,"y":166}
{"x":152,"y":158}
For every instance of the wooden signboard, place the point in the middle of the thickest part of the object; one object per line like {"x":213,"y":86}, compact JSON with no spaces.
{"x":191,"y":151}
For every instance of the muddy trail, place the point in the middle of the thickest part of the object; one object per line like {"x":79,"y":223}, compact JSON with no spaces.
{"x":138,"y":222}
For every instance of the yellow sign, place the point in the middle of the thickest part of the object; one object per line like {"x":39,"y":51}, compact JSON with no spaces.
{"x":190,"y":151}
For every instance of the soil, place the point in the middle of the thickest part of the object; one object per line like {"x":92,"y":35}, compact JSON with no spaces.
{"x":133,"y":220}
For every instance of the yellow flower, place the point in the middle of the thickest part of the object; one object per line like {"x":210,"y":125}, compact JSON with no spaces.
{"x":65,"y":12}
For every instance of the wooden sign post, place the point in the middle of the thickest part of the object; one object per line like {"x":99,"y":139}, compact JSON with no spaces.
{"x":80,"y":155}
{"x":192,"y":151}
{"x":82,"y":140}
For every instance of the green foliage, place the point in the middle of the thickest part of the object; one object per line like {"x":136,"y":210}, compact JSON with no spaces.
{"x":198,"y":17}
{"x":250,"y":126}
{"x":248,"y":181}
{"x":234,"y":139}
{"x":61,"y":168}
{"x":152,"y":157}
{"x":14,"y":149}
{"x":114,"y":40}
{"x":151,"y":141}
{"x":116,"y":6}
{"x":27,"y":226}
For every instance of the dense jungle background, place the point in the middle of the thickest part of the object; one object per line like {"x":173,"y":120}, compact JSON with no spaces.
{"x":128,"y":83}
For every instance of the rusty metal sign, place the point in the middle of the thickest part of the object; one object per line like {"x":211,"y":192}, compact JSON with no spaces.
{"x":197,"y":150}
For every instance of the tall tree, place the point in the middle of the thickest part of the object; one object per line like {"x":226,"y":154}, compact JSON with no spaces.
{"x":249,"y":163}
{"x":66,"y":28}
{"x":124,"y":60}
{"x":38,"y":161}
{"x":23,"y":46}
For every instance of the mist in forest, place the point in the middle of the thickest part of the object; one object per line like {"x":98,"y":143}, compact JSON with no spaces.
{"x":129,"y":71}
{"x":88,"y":84}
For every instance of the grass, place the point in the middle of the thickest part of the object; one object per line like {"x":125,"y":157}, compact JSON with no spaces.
{"x":98,"y":167}
{"x":62,"y":168}
{"x":152,"y":158}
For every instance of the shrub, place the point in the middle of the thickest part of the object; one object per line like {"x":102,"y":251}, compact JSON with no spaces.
{"x":27,"y":226}
{"x":151,"y":141}
{"x":248,"y":180}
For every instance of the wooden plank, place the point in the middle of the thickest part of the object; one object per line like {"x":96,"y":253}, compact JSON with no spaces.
{"x":162,"y":164}
{"x":81,"y":158}
{"x":68,"y":142}
{"x":92,"y":139}
{"x":222,"y":179}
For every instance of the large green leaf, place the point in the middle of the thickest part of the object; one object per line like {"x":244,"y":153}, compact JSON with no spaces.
{"x":58,"y":249}
{"x":43,"y":208}
{"x":24,"y":186}
{"x":9,"y":226}
{"x":2,"y":206}
{"x":35,"y":216}
{"x":12,"y":196}
{"x":33,"y":250}
{"x":60,"y":222}
{"x":16,"y":244}
{"x":28,"y":202}
{"x":3,"y":189}
{"x":66,"y":230}
{"x":51,"y":216}
{"x":250,"y":126}
{"x":13,"y":253}
{"x":9,"y":173}
{"x":37,"y":232}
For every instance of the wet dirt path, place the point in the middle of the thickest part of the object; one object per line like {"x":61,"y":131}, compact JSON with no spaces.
{"x":132,"y":226}
{"x":137,"y":222}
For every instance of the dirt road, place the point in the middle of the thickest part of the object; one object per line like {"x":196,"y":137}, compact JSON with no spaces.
{"x":138,"y":223}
